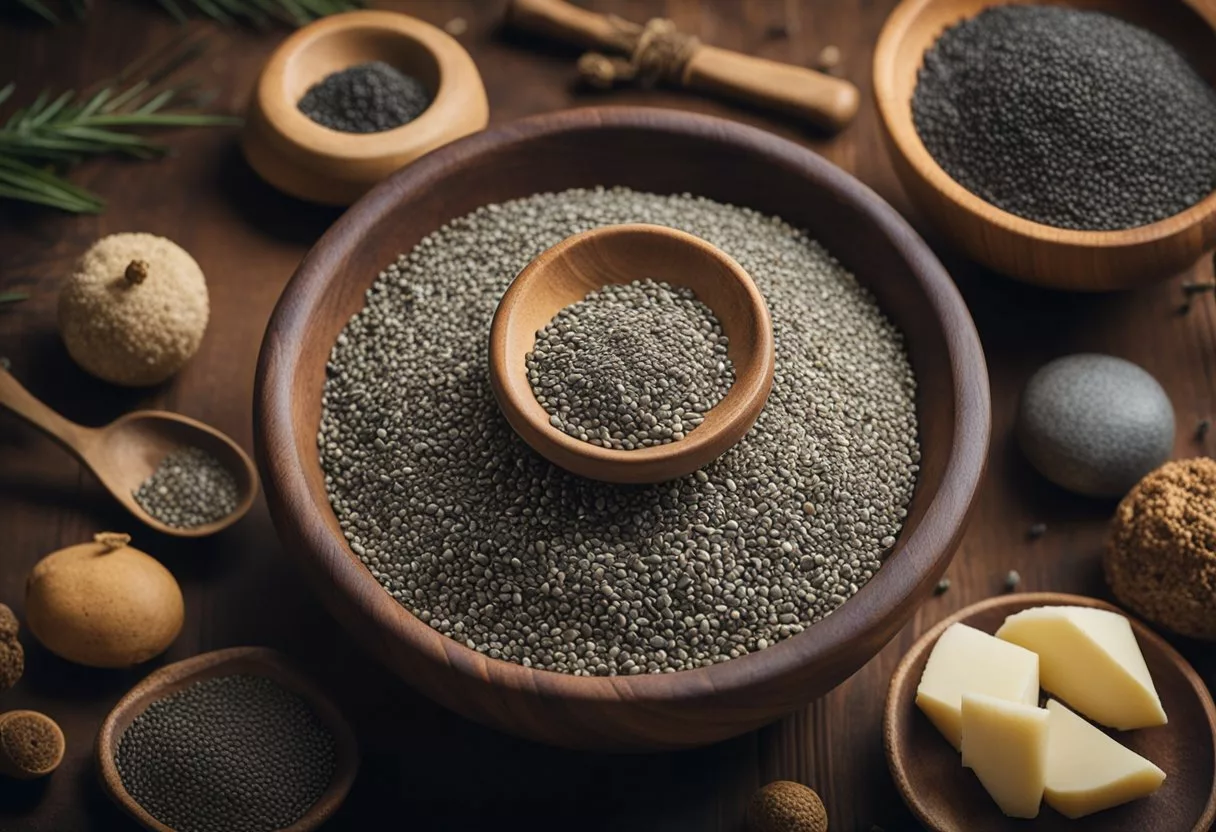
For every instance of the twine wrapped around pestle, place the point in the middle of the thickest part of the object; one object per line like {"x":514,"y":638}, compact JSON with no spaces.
{"x":659,"y":52}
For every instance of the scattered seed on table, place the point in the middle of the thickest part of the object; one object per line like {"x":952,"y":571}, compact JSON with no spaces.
{"x":235,"y":753}
{"x":1201,"y":430}
{"x":1036,"y":530}
{"x":828,"y":59}
{"x":456,"y":27}
{"x":189,"y":488}
{"x":1068,"y":117}
{"x":1012,"y":580}
{"x":942,"y":587}
{"x":365,"y":98}
{"x":631,"y":366}
{"x":464,"y":525}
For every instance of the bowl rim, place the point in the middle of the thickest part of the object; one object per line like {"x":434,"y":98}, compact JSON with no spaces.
{"x":896,"y":116}
{"x":737,"y":411}
{"x":882,"y":605}
{"x":459,"y":86}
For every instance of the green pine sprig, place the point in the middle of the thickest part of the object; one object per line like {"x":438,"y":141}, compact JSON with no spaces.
{"x":257,"y":12}
{"x":13,"y":297}
{"x":41,"y":141}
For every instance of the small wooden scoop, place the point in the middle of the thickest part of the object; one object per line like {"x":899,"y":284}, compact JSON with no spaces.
{"x":565,"y":274}
{"x":827,"y":102}
{"x":125,"y":453}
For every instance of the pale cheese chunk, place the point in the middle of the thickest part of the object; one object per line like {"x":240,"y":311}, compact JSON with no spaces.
{"x":1090,"y":659}
{"x":967,"y":660}
{"x":1088,"y":771}
{"x":1005,"y":744}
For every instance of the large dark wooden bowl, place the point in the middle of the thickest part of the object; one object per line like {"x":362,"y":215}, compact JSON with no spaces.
{"x":665,"y":152}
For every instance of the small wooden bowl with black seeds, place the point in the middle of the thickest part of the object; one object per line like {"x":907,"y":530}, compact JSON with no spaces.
{"x":1030,"y":251}
{"x":297,"y":155}
{"x":237,"y":661}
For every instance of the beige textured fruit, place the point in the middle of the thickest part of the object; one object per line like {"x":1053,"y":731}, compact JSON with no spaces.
{"x":785,"y":806}
{"x":31,"y":745}
{"x":103,"y":604}
{"x":134,"y":310}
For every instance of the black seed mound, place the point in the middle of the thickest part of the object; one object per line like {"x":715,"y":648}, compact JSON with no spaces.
{"x":1074,"y":119}
{"x":366,"y":98}
{"x":232,"y":754}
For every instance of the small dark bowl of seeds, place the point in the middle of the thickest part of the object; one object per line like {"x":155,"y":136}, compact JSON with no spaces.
{"x":235,"y":740}
{"x":1068,"y":144}
{"x":592,"y":614}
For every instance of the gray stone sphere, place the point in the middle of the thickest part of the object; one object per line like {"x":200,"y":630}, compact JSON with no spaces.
{"x":1095,"y":424}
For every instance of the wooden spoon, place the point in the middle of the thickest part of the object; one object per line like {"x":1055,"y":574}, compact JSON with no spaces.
{"x":946,"y":797}
{"x":125,"y":453}
{"x":621,"y":254}
{"x":253,"y":661}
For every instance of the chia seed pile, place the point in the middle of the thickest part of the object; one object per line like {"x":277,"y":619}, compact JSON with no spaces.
{"x":631,"y":366}
{"x":463,"y":524}
{"x":189,"y":488}
{"x":231,"y":754}
{"x":1071,"y":118}
{"x":366,"y":98}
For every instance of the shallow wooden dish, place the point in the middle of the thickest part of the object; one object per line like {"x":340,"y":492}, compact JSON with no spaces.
{"x":948,"y":798}
{"x":665,"y":152}
{"x":1030,"y":251}
{"x":256,"y":661}
{"x":621,"y":254}
{"x":295,"y":154}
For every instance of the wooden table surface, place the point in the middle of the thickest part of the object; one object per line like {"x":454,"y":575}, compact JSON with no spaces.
{"x":424,"y":768}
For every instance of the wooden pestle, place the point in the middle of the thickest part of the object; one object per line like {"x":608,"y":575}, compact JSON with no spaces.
{"x":827,"y":102}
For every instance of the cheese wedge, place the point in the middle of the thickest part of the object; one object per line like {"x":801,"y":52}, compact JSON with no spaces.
{"x":1088,"y":771}
{"x":1090,"y":659}
{"x":1005,"y":744}
{"x":967,"y":660}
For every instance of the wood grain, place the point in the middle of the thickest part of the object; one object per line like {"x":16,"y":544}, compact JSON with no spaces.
{"x":248,"y":661}
{"x":819,"y":99}
{"x":586,"y":262}
{"x":948,"y":798}
{"x":419,"y":759}
{"x":1042,"y":254}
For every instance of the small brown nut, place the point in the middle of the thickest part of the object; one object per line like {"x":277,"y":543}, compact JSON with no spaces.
{"x":8,"y":622}
{"x":31,"y":744}
{"x":786,"y":806}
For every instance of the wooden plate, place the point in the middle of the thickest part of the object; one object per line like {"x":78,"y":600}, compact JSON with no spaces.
{"x":255,"y":661}
{"x":948,"y":798}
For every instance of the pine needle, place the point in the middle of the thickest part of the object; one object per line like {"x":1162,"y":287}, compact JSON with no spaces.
{"x":13,"y":297}
{"x":41,"y":141}
{"x":255,"y":12}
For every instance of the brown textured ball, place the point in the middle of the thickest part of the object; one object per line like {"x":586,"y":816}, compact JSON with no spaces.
{"x":31,"y":744}
{"x":12,"y":655}
{"x":103,"y":604}
{"x":134,"y":310}
{"x":786,"y":806}
{"x":1160,"y":558}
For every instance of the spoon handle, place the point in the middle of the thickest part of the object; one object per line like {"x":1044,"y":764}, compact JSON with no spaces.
{"x":76,"y":438}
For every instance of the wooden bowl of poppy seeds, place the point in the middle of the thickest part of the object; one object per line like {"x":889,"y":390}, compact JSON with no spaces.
{"x":587,"y":614}
{"x":1068,"y":144}
{"x":230,"y":740}
{"x":349,"y":99}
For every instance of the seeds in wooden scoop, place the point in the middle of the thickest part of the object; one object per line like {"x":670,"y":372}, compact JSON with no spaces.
{"x":189,"y":488}
{"x":631,"y":366}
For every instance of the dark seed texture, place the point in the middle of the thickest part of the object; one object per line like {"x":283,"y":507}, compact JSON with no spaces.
{"x":366,"y":98}
{"x":232,"y":754}
{"x":1071,"y":118}
{"x":189,"y":488}
{"x":464,"y":525}
{"x":631,"y":366}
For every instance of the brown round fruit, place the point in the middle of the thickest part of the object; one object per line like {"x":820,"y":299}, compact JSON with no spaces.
{"x":103,"y":604}
{"x":1160,"y":558}
{"x":786,"y":806}
{"x":31,"y":744}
